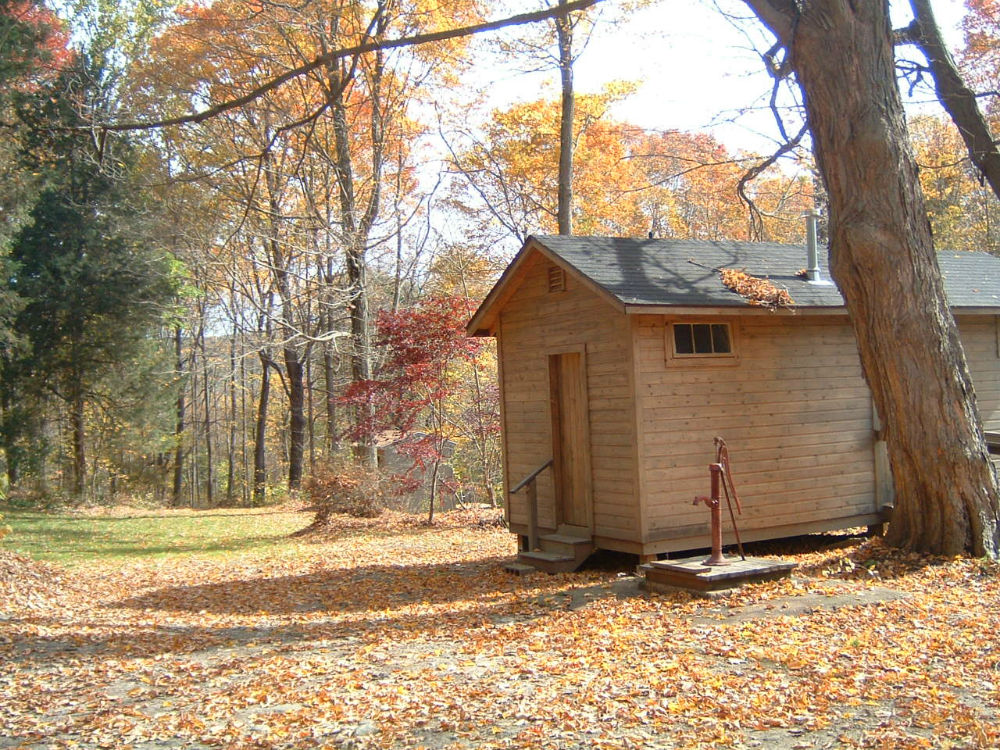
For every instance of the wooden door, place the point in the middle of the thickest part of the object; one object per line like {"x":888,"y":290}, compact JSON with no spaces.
{"x":570,"y":440}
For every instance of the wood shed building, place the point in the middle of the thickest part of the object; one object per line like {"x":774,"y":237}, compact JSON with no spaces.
{"x":621,"y":359}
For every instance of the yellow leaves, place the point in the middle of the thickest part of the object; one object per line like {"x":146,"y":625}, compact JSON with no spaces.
{"x":626,"y":181}
{"x":399,"y":635}
{"x":960,"y":208}
{"x":756,"y":291}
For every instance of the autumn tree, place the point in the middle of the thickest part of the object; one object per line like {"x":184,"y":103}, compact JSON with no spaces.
{"x":627,"y":180}
{"x":465,"y":271}
{"x":964,"y":213}
{"x":412,"y":390}
{"x":882,"y":258}
{"x":315,"y":174}
{"x":557,"y":45}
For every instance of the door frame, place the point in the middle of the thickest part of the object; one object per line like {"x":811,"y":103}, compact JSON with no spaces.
{"x":584,"y":472}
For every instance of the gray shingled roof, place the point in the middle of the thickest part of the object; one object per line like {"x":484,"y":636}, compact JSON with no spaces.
{"x":680,"y":272}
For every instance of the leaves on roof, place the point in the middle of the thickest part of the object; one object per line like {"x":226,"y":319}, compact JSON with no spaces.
{"x":755,"y":290}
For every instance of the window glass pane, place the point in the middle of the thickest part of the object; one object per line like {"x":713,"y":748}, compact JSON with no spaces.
{"x":702,"y":338}
{"x":720,"y":338}
{"x":682,"y":339}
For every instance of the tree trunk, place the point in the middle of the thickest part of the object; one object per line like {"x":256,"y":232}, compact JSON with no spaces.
{"x":178,"y":485}
{"x":195,"y":472}
{"x":7,"y":419}
{"x":310,"y":415}
{"x":297,"y":416}
{"x":78,"y":427}
{"x":355,"y":262}
{"x":330,"y":381}
{"x":564,"y":34}
{"x":244,"y":422}
{"x":260,"y":431}
{"x":883,"y":260}
{"x":357,"y":224}
{"x":434,"y":488}
{"x":231,"y":442}
{"x":207,"y":402}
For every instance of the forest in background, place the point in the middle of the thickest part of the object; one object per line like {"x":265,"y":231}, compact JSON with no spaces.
{"x":215,"y":312}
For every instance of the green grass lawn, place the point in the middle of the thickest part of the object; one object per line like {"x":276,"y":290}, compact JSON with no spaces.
{"x":72,"y":538}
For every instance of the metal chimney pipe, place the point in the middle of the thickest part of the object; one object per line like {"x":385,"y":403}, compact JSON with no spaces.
{"x":812,"y":252}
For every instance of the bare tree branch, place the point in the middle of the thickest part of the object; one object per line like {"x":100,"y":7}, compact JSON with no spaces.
{"x":333,"y":55}
{"x":957,"y":98}
{"x":756,"y":222}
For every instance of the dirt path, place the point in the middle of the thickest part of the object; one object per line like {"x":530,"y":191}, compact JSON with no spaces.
{"x":440,"y":648}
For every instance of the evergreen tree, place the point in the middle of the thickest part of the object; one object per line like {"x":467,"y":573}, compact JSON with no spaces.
{"x":92,"y":288}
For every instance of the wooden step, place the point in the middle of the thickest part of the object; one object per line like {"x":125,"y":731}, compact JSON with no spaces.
{"x":571,"y":546}
{"x":558,"y":553}
{"x":548,"y":562}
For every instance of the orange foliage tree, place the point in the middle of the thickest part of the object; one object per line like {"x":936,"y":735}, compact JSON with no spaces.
{"x":303,"y":176}
{"x":626,"y":180}
{"x":964,"y":213}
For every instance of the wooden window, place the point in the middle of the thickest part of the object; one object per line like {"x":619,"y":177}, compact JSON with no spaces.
{"x":702,"y":340}
{"x":557,"y":279}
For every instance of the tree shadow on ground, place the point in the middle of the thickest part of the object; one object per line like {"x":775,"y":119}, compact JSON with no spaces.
{"x":363,"y":588}
{"x":364,"y":603}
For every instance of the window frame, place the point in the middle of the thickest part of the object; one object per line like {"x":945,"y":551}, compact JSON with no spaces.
{"x":671,"y":341}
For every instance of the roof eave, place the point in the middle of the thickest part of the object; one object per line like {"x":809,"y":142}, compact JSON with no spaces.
{"x":721,"y":310}
{"x":977,"y":310}
{"x":746,"y":309}
{"x":483,"y":321}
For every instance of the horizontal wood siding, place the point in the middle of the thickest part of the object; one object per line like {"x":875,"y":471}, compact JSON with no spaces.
{"x":793,"y":408}
{"x":981,"y":342}
{"x":535,"y":323}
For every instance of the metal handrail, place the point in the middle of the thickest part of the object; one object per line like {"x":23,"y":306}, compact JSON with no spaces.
{"x":520,"y":485}
{"x":529,"y":482}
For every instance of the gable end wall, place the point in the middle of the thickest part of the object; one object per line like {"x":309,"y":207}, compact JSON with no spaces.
{"x":535,"y":323}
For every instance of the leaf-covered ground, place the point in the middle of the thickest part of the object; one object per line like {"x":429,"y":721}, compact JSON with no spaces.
{"x":393,"y":635}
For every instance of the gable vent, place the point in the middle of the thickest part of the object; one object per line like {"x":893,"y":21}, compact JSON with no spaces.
{"x":557,"y":279}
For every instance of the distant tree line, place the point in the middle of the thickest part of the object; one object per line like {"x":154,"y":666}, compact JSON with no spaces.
{"x":210,"y":312}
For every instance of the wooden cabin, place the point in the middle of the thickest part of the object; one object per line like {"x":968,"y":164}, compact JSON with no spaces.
{"x":621,"y":359}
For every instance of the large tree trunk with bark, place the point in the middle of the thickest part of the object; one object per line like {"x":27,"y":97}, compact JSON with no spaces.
{"x":882,"y":258}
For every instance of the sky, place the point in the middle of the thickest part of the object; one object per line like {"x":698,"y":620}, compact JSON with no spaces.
{"x":697,"y":70}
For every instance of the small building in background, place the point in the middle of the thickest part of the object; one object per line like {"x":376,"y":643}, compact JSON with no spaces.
{"x":621,"y":359}
{"x":415,"y":479}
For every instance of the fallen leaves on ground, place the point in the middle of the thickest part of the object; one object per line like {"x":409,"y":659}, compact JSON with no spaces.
{"x":28,"y":585}
{"x":405,"y":635}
